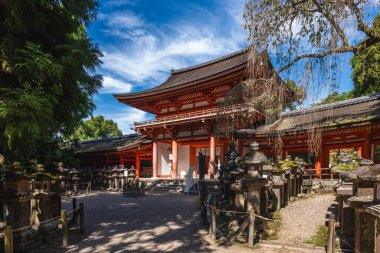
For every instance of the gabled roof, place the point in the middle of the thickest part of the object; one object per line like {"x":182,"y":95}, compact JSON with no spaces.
{"x":119,"y":143}
{"x":194,"y":74}
{"x":334,"y":115}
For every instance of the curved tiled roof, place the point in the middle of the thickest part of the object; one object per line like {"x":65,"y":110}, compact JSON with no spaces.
{"x":196,"y":73}
{"x":125,"y":142}
{"x":348,"y":112}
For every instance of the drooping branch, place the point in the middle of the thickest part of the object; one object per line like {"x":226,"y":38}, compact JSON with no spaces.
{"x":361,"y":25}
{"x":332,"y":21}
{"x":345,"y":49}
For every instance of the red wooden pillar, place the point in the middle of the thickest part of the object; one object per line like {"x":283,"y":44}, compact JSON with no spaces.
{"x":239,"y":144}
{"x":212,"y":156}
{"x":222,"y":152}
{"x":318,"y":164}
{"x":325,"y":157}
{"x":155,"y":159}
{"x":360,"y":152}
{"x":175,"y":158}
{"x":107,"y":161}
{"x":366,"y":146}
{"x":138,"y":165}
{"x":121,"y":159}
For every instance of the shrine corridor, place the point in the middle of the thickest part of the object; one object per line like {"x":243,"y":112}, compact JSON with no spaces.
{"x":158,"y":222}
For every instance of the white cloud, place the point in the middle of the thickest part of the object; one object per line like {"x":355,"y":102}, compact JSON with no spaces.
{"x":147,"y":53}
{"x":111,"y":85}
{"x":125,"y":118}
{"x":123,"y":20}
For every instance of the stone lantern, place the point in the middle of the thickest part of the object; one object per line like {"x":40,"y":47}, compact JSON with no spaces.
{"x":121,"y":176}
{"x":17,"y":202}
{"x":234,"y":174}
{"x":253,"y":163}
{"x":74,"y":175}
{"x":44,"y":203}
{"x":63,"y":177}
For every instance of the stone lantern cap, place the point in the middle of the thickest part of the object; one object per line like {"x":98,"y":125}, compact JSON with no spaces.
{"x":366,"y":173}
{"x":254,"y":156}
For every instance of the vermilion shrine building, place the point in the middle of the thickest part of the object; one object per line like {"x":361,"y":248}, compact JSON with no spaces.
{"x":186,"y":107}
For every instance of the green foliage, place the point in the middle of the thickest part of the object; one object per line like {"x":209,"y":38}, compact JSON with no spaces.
{"x":95,"y":128}
{"x":366,"y":71}
{"x":275,"y":226}
{"x":296,"y":94}
{"x":47,"y":73}
{"x":366,"y":66}
{"x":336,"y":97}
{"x":320,"y":237}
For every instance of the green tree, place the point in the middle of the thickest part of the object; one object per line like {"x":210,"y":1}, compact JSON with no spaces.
{"x":47,"y":71}
{"x":336,"y":97}
{"x":366,"y":66}
{"x":366,"y":71}
{"x":95,"y":128}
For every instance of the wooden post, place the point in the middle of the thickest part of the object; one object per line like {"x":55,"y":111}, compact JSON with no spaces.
{"x":8,"y":239}
{"x":251,"y":235}
{"x":74,"y":204}
{"x":81,"y":218}
{"x":331,"y":235}
{"x":175,"y":158}
{"x":65,"y":228}
{"x":155,"y":159}
{"x":74,"y":211}
{"x":138,"y":165}
{"x":212,"y":156}
{"x":213,"y":223}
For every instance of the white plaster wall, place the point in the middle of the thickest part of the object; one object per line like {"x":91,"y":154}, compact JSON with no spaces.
{"x":187,"y":106}
{"x":202,"y":103}
{"x":183,"y":158}
{"x":182,"y":134}
{"x":200,"y":132}
{"x":163,"y":159}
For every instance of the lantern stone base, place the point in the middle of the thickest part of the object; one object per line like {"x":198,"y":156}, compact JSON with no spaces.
{"x":26,"y":239}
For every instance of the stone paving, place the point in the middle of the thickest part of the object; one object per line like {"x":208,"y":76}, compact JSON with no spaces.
{"x":158,"y":222}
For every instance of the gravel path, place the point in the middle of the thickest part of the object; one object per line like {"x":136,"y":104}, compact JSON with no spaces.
{"x":301,"y":218}
{"x":166,"y":222}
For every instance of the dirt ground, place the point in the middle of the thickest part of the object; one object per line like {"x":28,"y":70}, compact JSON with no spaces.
{"x":158,"y":222}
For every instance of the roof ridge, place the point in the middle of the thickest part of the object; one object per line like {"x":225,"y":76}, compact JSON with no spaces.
{"x":109,"y":138}
{"x":333,"y":105}
{"x":209,"y":62}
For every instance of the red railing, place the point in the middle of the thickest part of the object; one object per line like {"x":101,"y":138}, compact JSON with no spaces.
{"x":190,"y":116}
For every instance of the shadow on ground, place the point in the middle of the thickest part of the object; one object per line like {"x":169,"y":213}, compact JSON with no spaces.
{"x":167,"y":222}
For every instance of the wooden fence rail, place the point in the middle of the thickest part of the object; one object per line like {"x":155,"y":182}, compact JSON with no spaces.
{"x":331,"y":235}
{"x":63,"y":219}
{"x":250,"y":220}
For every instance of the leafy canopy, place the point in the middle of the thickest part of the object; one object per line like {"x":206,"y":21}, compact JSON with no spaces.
{"x":366,"y":66}
{"x":47,"y":71}
{"x":95,"y":128}
{"x":365,"y":74}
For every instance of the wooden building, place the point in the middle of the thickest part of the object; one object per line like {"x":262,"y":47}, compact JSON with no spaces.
{"x":185,"y":106}
{"x":350,"y":124}
{"x":128,"y":150}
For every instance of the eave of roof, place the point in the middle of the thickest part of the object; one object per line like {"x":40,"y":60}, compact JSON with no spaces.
{"x":194,"y":74}
{"x":119,"y":143}
{"x":352,"y":112}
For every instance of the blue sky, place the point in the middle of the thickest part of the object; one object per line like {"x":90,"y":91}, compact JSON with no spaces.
{"x":142,"y":40}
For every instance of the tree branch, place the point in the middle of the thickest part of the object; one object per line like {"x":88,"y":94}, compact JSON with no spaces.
{"x":344,"y":49}
{"x":361,"y":25}
{"x":331,"y":19}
